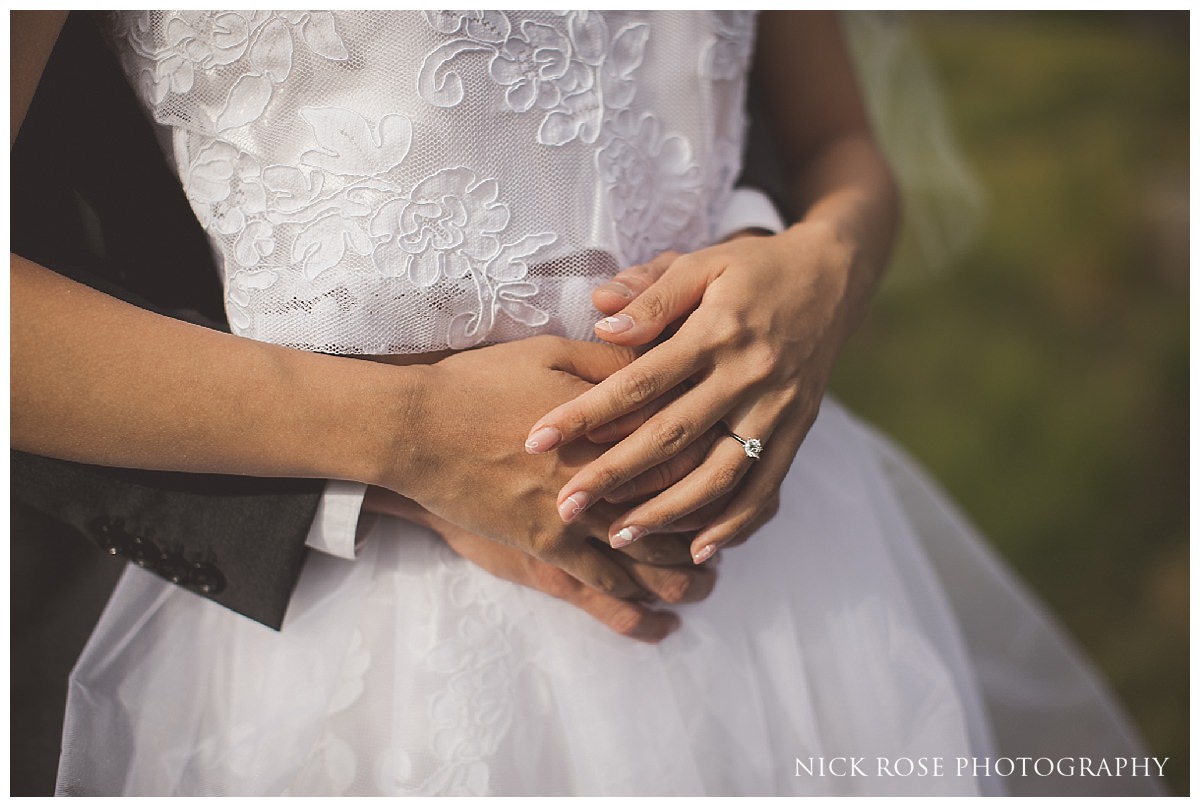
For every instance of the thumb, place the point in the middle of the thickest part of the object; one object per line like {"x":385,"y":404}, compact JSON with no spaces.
{"x":672,"y":296}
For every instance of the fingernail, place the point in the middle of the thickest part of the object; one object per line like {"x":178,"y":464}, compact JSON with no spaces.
{"x":543,"y":440}
{"x":704,"y":554}
{"x":618,"y":324}
{"x":627,"y":536}
{"x":619,"y":289}
{"x":573,"y":505}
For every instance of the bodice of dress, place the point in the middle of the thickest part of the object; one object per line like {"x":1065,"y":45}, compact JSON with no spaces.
{"x":394,"y":182}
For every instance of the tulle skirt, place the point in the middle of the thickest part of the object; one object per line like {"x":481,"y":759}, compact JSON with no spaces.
{"x":864,"y":630}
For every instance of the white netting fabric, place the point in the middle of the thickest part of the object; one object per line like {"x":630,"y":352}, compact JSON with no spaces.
{"x":398,"y":182}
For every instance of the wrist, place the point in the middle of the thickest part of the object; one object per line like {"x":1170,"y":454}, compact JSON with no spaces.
{"x":834,"y":281}
{"x":369,"y":414}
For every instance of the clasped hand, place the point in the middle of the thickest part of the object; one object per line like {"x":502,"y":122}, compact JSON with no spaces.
{"x":754,"y":325}
{"x":759,"y":323}
{"x":472,"y":479}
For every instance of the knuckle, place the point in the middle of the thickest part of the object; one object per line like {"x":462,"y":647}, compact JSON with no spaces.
{"x":606,"y":478}
{"x":671,"y":435}
{"x":574,"y":420}
{"x":725,"y":331}
{"x":675,"y":587}
{"x":606,"y":582}
{"x":553,"y":581}
{"x":545,"y":546}
{"x":543,"y":342}
{"x":724,"y":479}
{"x":656,"y":555}
{"x":687,"y":264}
{"x":762,"y":361}
{"x":625,"y":620}
{"x":638,"y":386}
{"x":651,"y":306}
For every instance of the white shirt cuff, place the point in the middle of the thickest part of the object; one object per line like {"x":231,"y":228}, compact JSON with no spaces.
{"x":336,"y":529}
{"x":749,"y":207}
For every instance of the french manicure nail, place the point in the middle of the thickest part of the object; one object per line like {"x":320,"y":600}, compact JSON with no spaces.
{"x":618,"y":324}
{"x":619,"y":289}
{"x":704,"y":554}
{"x":543,"y":440}
{"x":627,"y":536}
{"x":573,"y":505}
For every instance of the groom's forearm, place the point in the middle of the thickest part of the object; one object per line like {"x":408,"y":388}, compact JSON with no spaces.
{"x":97,"y":380}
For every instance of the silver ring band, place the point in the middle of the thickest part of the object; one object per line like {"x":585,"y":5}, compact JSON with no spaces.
{"x":751,"y":445}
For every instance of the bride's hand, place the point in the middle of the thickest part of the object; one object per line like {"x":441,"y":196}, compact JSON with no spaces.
{"x":468,"y":467}
{"x":629,"y":618}
{"x":763,"y":319}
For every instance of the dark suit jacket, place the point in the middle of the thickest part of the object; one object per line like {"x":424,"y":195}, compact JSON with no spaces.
{"x":93,"y":198}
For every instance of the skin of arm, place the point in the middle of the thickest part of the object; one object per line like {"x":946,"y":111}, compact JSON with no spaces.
{"x":72,"y":399}
{"x":760,"y":320}
{"x":68,"y":401}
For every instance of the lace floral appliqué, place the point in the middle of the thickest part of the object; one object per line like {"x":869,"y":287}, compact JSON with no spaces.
{"x":576,"y":74}
{"x":213,"y":42}
{"x":450,"y":226}
{"x":400,"y":181}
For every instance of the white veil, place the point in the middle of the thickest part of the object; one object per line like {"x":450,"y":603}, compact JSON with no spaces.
{"x":943,"y":202}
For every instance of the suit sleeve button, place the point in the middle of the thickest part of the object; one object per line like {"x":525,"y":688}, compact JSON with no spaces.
{"x":111,"y":536}
{"x":206,"y":578}
{"x":174,"y":568}
{"x":145,"y":554}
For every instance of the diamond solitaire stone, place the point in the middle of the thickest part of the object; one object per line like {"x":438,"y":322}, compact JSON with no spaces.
{"x":753,"y":448}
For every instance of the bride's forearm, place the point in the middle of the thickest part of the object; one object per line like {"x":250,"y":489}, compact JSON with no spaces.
{"x":840,"y":187}
{"x":97,"y":380}
{"x":847,"y":189}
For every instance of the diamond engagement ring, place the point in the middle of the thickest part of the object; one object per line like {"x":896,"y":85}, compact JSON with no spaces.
{"x":752,"y":446}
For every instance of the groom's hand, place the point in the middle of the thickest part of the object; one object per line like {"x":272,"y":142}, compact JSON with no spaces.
{"x":464,"y":457}
{"x":629,"y":618}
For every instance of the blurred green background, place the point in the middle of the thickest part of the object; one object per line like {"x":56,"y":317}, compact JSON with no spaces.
{"x":1043,"y":377}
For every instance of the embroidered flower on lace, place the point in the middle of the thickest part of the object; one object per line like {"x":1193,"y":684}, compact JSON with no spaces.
{"x":485,"y":26}
{"x":653,"y":184}
{"x":536,"y":67}
{"x":195,"y":40}
{"x":449,"y":220}
{"x":223,"y":186}
{"x":212,"y":42}
{"x":450,"y":226}
{"x":578,"y":76}
{"x":474,"y":708}
{"x":238,"y":297}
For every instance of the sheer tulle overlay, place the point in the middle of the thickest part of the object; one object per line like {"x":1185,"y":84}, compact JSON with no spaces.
{"x":865,"y":621}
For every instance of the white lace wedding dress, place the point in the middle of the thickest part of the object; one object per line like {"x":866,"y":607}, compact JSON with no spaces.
{"x":403,"y":182}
